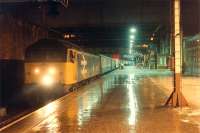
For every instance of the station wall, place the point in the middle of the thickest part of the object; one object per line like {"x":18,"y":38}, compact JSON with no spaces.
{"x":15,"y":36}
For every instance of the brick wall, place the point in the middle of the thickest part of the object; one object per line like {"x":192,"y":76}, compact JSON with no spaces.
{"x":16,"y":35}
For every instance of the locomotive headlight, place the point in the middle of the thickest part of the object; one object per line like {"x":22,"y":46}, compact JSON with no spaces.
{"x":52,"y":70}
{"x":36,"y":70}
{"x":47,"y":80}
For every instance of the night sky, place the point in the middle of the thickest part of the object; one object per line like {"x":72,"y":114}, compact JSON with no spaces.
{"x":106,"y":23}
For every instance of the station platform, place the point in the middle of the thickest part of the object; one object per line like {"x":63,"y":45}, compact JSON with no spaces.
{"x":123,"y":101}
{"x":190,"y":87}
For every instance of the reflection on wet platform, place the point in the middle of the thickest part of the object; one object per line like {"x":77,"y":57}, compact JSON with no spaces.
{"x":121,"y":102}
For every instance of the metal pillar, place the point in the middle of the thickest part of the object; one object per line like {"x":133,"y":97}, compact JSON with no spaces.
{"x":176,"y":98}
{"x":156,"y":58}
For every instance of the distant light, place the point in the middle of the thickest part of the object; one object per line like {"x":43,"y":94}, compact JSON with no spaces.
{"x":132,"y":30}
{"x":72,"y":35}
{"x":66,"y":36}
{"x":145,"y":46}
{"x":131,"y":41}
{"x":132,"y":36}
{"x":151,"y":38}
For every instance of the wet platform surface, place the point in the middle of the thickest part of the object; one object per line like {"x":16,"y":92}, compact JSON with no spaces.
{"x":124,"y":101}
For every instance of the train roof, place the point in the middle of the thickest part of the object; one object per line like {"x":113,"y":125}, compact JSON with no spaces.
{"x":55,"y":44}
{"x":52,"y":43}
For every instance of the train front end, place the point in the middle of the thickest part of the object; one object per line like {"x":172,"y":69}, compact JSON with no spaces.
{"x":44,"y":74}
{"x":45,"y":64}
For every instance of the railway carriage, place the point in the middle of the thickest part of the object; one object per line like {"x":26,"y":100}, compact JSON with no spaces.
{"x":106,"y":63}
{"x":88,"y":66}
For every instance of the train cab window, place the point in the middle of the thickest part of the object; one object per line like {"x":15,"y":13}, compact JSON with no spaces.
{"x":72,"y":56}
{"x":46,"y":55}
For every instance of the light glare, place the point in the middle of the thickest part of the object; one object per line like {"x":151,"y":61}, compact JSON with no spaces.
{"x":132,"y":37}
{"x":130,"y":51}
{"x":37,"y":70}
{"x":52,"y":70}
{"x":47,"y":80}
{"x":132,"y":30}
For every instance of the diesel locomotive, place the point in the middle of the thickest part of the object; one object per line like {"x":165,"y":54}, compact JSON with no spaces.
{"x":50,"y":62}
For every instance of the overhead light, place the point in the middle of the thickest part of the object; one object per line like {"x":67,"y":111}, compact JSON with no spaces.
{"x":151,"y":38}
{"x":132,"y":36}
{"x":132,"y":30}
